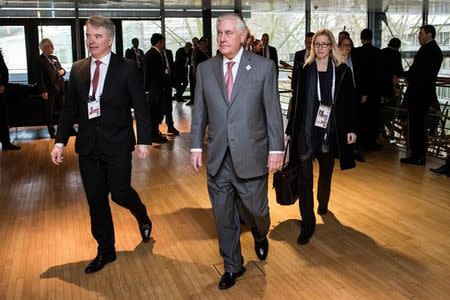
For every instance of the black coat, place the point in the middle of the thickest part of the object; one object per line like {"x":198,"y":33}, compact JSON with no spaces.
{"x":131,"y":54}
{"x":182,"y":60}
{"x":113,"y":130}
{"x":422,"y":75}
{"x":301,"y":120}
{"x":391,"y":62}
{"x":49,"y":80}
{"x":367,"y":67}
{"x":4,"y":74}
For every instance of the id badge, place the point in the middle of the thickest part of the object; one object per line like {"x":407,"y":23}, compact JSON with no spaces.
{"x":93,"y":109}
{"x":323,"y":115}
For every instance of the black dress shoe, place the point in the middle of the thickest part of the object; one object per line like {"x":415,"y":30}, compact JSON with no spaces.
{"x":159,"y":139}
{"x":9,"y":146}
{"x":441,"y":170}
{"x":262,"y":248}
{"x":145,"y":228}
{"x":419,"y":161}
{"x":359,"y":156}
{"x":99,"y":262}
{"x":228,"y":279}
{"x":303,"y":240}
{"x":173,"y":130}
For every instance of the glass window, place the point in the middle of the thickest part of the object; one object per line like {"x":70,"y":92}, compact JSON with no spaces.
{"x":61,"y":37}
{"x":12,"y":45}
{"x":142,"y":30}
{"x":182,"y":30}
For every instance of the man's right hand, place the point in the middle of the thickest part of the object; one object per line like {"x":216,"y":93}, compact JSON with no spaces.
{"x":196,"y":160}
{"x":56,"y":155}
{"x":44,"y":95}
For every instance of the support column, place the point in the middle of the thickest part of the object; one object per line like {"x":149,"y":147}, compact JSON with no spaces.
{"x":425,"y":7}
{"x":307,"y":16}
{"x":206,"y":17}
{"x":374,"y":20}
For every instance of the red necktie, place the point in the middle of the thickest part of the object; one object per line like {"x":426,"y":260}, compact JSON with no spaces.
{"x":96,"y":77}
{"x":229,"y":79}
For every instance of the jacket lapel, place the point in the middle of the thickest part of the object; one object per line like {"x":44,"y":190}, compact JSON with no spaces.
{"x":86,"y":78}
{"x":218,"y":73}
{"x":109,"y":74}
{"x":242,"y":75}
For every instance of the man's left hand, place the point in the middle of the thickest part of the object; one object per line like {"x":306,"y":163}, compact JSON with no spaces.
{"x":142,"y":151}
{"x":275,"y":162}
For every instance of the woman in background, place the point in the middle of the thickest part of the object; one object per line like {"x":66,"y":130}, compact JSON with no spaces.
{"x":325,"y":84}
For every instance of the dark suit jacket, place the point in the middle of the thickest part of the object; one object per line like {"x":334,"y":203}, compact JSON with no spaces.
{"x":4,"y":74}
{"x":113,"y":130}
{"x":169,"y":55}
{"x":155,"y":81}
{"x":391,"y":61}
{"x":130,"y":54}
{"x":422,"y":74}
{"x":367,"y":68}
{"x":273,"y":55}
{"x":181,"y":64}
{"x":49,"y":81}
{"x":299,"y":61}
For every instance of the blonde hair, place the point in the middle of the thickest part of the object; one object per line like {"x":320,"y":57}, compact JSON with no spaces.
{"x":335,"y":52}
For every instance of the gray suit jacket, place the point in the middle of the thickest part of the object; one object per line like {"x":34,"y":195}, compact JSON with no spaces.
{"x":250,"y":124}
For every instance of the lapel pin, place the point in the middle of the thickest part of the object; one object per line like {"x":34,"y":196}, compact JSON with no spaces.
{"x":248,"y":67}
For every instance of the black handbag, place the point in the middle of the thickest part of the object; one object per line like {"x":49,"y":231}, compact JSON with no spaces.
{"x":285,"y":181}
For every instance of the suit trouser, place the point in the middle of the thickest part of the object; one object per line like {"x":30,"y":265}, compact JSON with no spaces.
{"x":49,"y":109}
{"x":417,"y":132}
{"x":156,"y":111}
{"x":168,"y":109}
{"x":306,"y":202}
{"x":181,"y":85}
{"x":103,"y":174}
{"x":225,"y":190}
{"x":4,"y":123}
{"x":368,"y":121}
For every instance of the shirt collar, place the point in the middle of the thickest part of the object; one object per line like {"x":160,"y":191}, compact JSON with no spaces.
{"x":236,"y":59}
{"x":105,"y":59}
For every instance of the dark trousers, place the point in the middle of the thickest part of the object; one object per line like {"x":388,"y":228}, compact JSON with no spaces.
{"x":49,"y":110}
{"x":168,"y":109}
{"x":156,"y":111}
{"x":103,"y":174}
{"x":4,"y":123}
{"x":180,"y":86}
{"x":326,"y":165}
{"x":225,"y":190}
{"x":417,"y":132}
{"x":192,"y":85}
{"x":368,"y":121}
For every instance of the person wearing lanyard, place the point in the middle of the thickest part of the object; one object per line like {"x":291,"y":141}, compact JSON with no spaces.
{"x":321,"y":125}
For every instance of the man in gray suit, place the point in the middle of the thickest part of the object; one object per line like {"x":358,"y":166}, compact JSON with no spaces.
{"x":236,"y":98}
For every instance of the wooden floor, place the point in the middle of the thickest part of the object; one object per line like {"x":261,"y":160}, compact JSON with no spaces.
{"x":387,"y":235}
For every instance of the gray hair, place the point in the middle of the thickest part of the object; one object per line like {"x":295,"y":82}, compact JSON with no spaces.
{"x":241,"y":26}
{"x":44,"y":42}
{"x":100,"y":21}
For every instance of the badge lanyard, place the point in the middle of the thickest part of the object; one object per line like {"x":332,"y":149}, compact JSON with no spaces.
{"x":325,"y":109}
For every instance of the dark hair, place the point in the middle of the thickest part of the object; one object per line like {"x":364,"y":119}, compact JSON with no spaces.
{"x":366,"y":34}
{"x":309,"y":34}
{"x":344,"y":33}
{"x":156,"y":37}
{"x":395,"y":43}
{"x":134,"y":40}
{"x":346,"y":38}
{"x":429,"y":29}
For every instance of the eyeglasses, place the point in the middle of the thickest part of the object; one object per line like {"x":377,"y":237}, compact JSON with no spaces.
{"x":321,"y":45}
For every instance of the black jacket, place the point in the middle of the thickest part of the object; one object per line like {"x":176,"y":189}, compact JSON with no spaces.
{"x":422,"y":75}
{"x":49,"y":80}
{"x":367,"y":67}
{"x":113,"y":130}
{"x":391,"y":62}
{"x":301,"y":120}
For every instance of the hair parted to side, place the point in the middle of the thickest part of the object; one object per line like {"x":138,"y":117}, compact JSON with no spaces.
{"x":44,"y":42}
{"x":241,"y":26}
{"x":100,"y":21}
{"x":335,"y":52}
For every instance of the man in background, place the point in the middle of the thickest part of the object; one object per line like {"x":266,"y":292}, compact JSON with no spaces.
{"x":135,"y":53}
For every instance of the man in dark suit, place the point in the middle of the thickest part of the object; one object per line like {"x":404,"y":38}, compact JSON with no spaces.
{"x":392,"y":69}
{"x":181,"y":69}
{"x":421,"y":92}
{"x":367,"y":68}
{"x":236,"y":98}
{"x":268,"y":51}
{"x":168,"y":58}
{"x":51,"y":82}
{"x":135,"y":53}
{"x":4,"y":124}
{"x":157,"y":83}
{"x":102,"y":90}
{"x":299,"y":61}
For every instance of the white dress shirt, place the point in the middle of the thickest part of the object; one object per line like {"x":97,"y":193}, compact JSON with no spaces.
{"x":101,"y":80}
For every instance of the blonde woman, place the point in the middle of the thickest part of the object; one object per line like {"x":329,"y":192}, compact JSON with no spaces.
{"x":321,"y":125}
